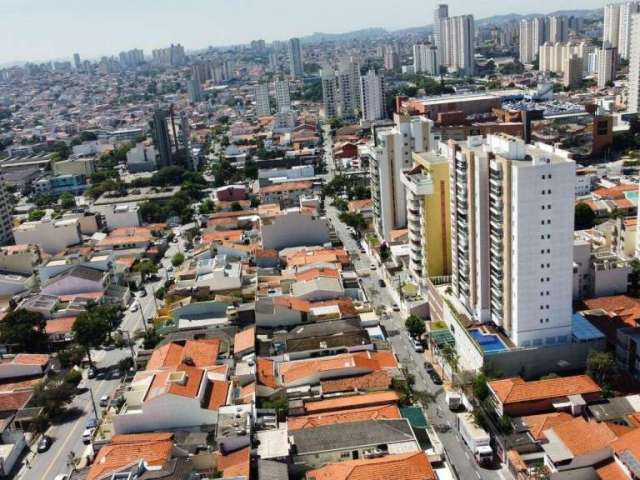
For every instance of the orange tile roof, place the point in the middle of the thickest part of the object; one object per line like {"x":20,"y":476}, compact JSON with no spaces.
{"x":248,"y":392}
{"x":244,"y":340}
{"x":404,"y":466}
{"x":538,"y":423}
{"x":219,"y":393}
{"x":582,"y":437}
{"x":111,"y":241}
{"x":86,"y":295}
{"x":286,"y":187}
{"x":13,"y":401}
{"x":628,"y":442}
{"x":203,"y":353}
{"x":31,"y":359}
{"x":378,"y":412}
{"x":623,"y":307}
{"x":154,"y":448}
{"x":161,"y":383}
{"x":265,"y":372}
{"x":131,"y":232}
{"x":611,"y":471}
{"x":516,"y":390}
{"x":321,"y":255}
{"x":314,"y":273}
{"x":236,"y":464}
{"x":614,"y":192}
{"x":355,"y":205}
{"x":351,"y":401}
{"x":228,"y":235}
{"x":19,"y":386}
{"x":378,"y":380}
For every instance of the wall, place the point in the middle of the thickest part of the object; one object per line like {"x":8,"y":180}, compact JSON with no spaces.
{"x":295,"y":229}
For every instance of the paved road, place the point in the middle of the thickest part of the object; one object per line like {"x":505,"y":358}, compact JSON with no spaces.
{"x":67,"y":431}
{"x":437,"y":412}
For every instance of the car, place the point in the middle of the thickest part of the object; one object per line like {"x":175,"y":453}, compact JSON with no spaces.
{"x":373,"y":266}
{"x":104,"y":401}
{"x":133,"y":307}
{"x":99,"y":374}
{"x":395,"y":307}
{"x":87,"y":435}
{"x":91,"y":422}
{"x":417,"y":346}
{"x":382,"y":283}
{"x":435,"y":378}
{"x":428,"y":367}
{"x":115,"y":373}
{"x":142,"y":293}
{"x":91,"y":373}
{"x":62,"y":476}
{"x":44,"y":444}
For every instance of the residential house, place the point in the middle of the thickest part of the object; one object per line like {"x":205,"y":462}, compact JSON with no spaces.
{"x":52,"y":236}
{"x":400,"y":466}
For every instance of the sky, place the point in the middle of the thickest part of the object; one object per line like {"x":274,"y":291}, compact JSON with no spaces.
{"x":38,"y":30}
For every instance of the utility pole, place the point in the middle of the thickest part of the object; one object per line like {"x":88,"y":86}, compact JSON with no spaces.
{"x":93,"y":404}
{"x":144,"y":323}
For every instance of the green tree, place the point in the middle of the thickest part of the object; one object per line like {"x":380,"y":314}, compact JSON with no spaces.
{"x":601,"y":366}
{"x":67,"y":201}
{"x":25,"y":331}
{"x":415,"y":326}
{"x":207,"y":207}
{"x":584,"y":217}
{"x":177,"y":259}
{"x":90,"y":331}
{"x":480,"y":387}
{"x":35,"y":215}
{"x":354,"y":220}
{"x":52,"y":396}
{"x":145,"y":267}
{"x":236,"y":207}
{"x":151,"y":338}
{"x":70,"y":356}
{"x":251,"y":169}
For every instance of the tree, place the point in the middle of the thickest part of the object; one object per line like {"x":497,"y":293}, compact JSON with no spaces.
{"x":67,"y":201}
{"x":236,"y":207}
{"x":25,"y":330}
{"x":177,"y":260}
{"x":71,"y":356}
{"x":35,"y":215}
{"x":151,"y":338}
{"x":480,"y":387}
{"x":584,"y":216}
{"x":145,"y":267}
{"x":600,"y":366}
{"x":415,"y":326}
{"x":453,"y":359}
{"x":207,"y":207}
{"x":52,"y":396}
{"x":354,"y":220}
{"x":90,"y":331}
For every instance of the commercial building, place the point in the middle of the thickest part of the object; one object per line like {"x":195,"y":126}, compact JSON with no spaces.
{"x":428,"y":217}
{"x":512,"y":236}
{"x":457,"y":37}
{"x":263,"y":107}
{"x":372,"y":96}
{"x":296,"y":69}
{"x":390,"y":155}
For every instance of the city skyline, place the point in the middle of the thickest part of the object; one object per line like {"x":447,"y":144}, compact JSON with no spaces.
{"x":57,"y":31}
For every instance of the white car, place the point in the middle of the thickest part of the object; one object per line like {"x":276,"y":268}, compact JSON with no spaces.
{"x":373,"y":266}
{"x":133,"y":307}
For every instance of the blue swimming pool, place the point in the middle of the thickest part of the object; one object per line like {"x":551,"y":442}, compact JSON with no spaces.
{"x":489,"y":343}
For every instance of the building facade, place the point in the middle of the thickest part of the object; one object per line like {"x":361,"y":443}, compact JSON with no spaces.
{"x":457,"y":37}
{"x":372,"y":96}
{"x":296,"y":68}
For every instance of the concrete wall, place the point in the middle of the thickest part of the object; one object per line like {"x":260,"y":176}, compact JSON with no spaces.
{"x":295,"y":229}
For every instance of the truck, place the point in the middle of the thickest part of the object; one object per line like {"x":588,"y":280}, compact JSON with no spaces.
{"x":476,"y":438}
{"x":454,"y":400}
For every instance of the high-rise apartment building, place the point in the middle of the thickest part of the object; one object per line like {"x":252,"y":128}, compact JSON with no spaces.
{"x":553,"y":57}
{"x":390,"y":153}
{"x":349,"y":89}
{"x":512,"y":236}
{"x":611,"y":26}
{"x":263,"y":106}
{"x":617,"y":26}
{"x":329,"y":93}
{"x":457,"y":40}
{"x":428,"y":216}
{"x":296,"y":68}
{"x":633,"y":101}
{"x":441,"y":12}
{"x":76,"y":61}
{"x":391,"y":58}
{"x":173,"y":55}
{"x":283,"y":97}
{"x":425,"y":59}
{"x":372,"y":89}
{"x":558,"y":29}
{"x":161,"y":139}
{"x":606,"y":71}
{"x":6,"y":223}
{"x":194,"y":90}
{"x":572,"y":71}
{"x":532,"y":35}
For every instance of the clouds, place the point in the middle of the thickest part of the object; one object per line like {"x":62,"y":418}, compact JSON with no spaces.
{"x":45,"y":29}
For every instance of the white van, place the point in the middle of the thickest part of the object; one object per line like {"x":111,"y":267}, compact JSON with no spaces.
{"x":87,"y":435}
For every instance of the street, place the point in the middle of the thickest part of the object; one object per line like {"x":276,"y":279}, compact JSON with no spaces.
{"x":67,"y":430}
{"x":437,"y":413}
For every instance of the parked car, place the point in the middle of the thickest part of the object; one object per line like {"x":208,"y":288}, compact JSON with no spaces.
{"x":395,"y":307}
{"x":373,"y":266}
{"x":115,"y":373}
{"x":428,"y":367}
{"x":142,"y":293}
{"x":382,"y":283}
{"x":99,"y":374}
{"x":91,"y":373}
{"x":87,"y":435}
{"x":44,"y":444}
{"x":417,"y":345}
{"x":435,"y":378}
{"x":91,"y":422}
{"x":104,"y":401}
{"x":133,"y":307}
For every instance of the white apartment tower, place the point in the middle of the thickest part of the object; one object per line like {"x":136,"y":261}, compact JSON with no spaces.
{"x":425,"y":59}
{"x":441,"y":12}
{"x":633,"y":101}
{"x":512,"y":235}
{"x":349,"y":89}
{"x":390,"y":154}
{"x":457,"y":38}
{"x":329,"y":93}
{"x":372,"y":96}
{"x":296,"y":69}
{"x":263,"y":108}
{"x":558,"y":29}
{"x":532,"y":35}
{"x":606,"y":66}
{"x":627,"y":10}
{"x":283,"y":97}
{"x":611,"y":27}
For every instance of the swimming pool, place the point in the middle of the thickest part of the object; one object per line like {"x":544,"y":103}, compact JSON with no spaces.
{"x":488,"y":343}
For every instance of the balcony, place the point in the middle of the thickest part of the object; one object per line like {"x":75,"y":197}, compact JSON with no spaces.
{"x":419,"y":183}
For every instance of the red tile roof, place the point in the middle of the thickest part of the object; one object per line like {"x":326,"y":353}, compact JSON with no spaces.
{"x":377,"y":412}
{"x":516,"y":390}
{"x":378,"y":380}
{"x":351,"y":401}
{"x":236,"y":464}
{"x":404,"y":466}
{"x":582,"y":437}
{"x":244,"y":340}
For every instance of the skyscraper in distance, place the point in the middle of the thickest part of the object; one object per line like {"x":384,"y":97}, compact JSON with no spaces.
{"x":372,"y":96}
{"x":441,"y":12}
{"x":457,"y":38}
{"x":76,"y":61}
{"x":633,"y":102}
{"x":329,"y":93}
{"x":296,"y":68}
{"x":263,"y":107}
{"x":283,"y":97}
{"x":161,"y":139}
